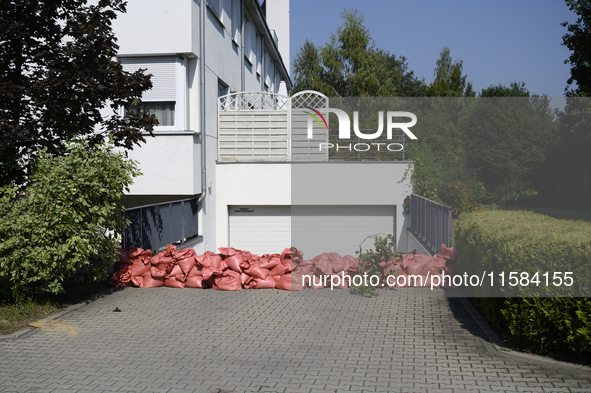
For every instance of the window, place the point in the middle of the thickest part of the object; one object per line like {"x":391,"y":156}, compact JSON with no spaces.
{"x":235,"y":20}
{"x":215,"y":6}
{"x":168,"y":97}
{"x":258,"y":53}
{"x":267,"y":69}
{"x":249,"y":36}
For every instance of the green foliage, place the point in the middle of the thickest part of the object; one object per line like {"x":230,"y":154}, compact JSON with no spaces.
{"x":463,"y":197}
{"x":577,"y":41}
{"x":369,"y":261}
{"x":67,"y":222}
{"x":449,"y":81}
{"x":58,"y":73}
{"x":537,"y":321}
{"x":350,"y":65}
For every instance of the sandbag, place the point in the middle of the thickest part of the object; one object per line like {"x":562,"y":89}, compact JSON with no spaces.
{"x":121,"y":278}
{"x":280,"y":269}
{"x":269,"y":261}
{"x":449,"y":253}
{"x":185,"y":259}
{"x":305,"y":267}
{"x":212,"y":265}
{"x":351,"y":262}
{"x":284,"y":282}
{"x":258,"y":272}
{"x":147,"y":281}
{"x":297,"y":256}
{"x":260,"y":283}
{"x":228,"y":281}
{"x":195,"y":282}
{"x":413,"y":263}
{"x":323,"y":264}
{"x":232,"y":258}
{"x":157,"y":273}
{"x":176,"y":278}
{"x":164,"y":258}
{"x":139,"y":268}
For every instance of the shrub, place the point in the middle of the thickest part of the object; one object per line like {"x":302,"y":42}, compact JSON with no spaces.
{"x":542,"y":319}
{"x":66,"y":222}
{"x":464,"y":198}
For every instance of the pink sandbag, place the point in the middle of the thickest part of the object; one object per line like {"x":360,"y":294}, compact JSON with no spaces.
{"x":140,"y":267}
{"x":305,"y":267}
{"x":124,"y":259}
{"x":413,"y":263}
{"x":258,"y":272}
{"x":195,"y":282}
{"x":164,"y":258}
{"x":449,"y":253}
{"x":176,"y":278}
{"x":419,"y":281}
{"x":185,"y":259}
{"x":228,"y":281}
{"x":232,"y":258}
{"x":351,"y":263}
{"x":212,"y":265}
{"x":323,"y":264}
{"x":284,"y":282}
{"x":147,"y":281}
{"x":317,"y":281}
{"x":435,"y":266}
{"x":297,"y":256}
{"x":121,"y":278}
{"x":269,"y":261}
{"x":259,"y":283}
{"x":157,"y":273}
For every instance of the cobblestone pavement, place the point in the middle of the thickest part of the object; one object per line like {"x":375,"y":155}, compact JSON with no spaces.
{"x":191,"y":340}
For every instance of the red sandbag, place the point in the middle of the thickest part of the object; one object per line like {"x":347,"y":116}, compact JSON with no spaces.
{"x":413,"y":263}
{"x":157,"y":273}
{"x":284,"y":282}
{"x":435,"y":267}
{"x":351,"y":263}
{"x":323,"y":264}
{"x":305,"y":267}
{"x":286,"y":259}
{"x":258,"y":272}
{"x":164,"y":258}
{"x":449,"y":253}
{"x":232,"y":258}
{"x":280,"y":269}
{"x":260,"y":283}
{"x":121,"y":278}
{"x":212,"y":265}
{"x":244,"y":278}
{"x":317,"y":281}
{"x":176,"y":278}
{"x":228,"y":281}
{"x":147,"y":281}
{"x":195,"y":279}
{"x":269,"y":261}
{"x":297,"y":256}
{"x":185,"y":259}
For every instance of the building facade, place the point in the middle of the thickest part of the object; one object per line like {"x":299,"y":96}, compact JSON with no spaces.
{"x":226,"y":167}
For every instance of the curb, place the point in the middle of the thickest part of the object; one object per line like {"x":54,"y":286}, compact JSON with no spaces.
{"x":495,"y":346}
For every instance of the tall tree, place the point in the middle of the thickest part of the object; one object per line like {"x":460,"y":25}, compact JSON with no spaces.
{"x":351,"y":65}
{"x":57,"y":71}
{"x":578,"y":41}
{"x":449,"y":81}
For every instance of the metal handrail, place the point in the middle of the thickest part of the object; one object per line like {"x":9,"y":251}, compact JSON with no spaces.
{"x":431,"y":222}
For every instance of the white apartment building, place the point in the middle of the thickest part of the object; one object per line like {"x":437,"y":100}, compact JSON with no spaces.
{"x":226,"y":167}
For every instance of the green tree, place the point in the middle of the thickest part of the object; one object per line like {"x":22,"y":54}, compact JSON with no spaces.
{"x":507,"y":137}
{"x":449,"y":81}
{"x":67,"y":221}
{"x":578,"y":41}
{"x":57,"y":71}
{"x":351,"y":65}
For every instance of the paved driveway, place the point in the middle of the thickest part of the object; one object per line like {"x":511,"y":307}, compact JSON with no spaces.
{"x":191,"y":340}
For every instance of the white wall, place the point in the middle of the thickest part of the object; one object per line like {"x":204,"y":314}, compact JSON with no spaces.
{"x":168,"y":163}
{"x":153,"y":27}
{"x":278,"y":20}
{"x":249,"y":184}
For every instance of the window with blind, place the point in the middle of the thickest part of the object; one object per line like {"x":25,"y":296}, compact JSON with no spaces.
{"x":167,"y":98}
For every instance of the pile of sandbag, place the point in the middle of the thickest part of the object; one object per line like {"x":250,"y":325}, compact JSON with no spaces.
{"x":233,"y":270}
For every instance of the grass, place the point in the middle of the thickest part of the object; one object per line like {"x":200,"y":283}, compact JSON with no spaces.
{"x":15,"y":317}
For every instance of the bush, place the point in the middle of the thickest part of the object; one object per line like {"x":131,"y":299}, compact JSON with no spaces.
{"x":541,"y":319}
{"x":66,"y":222}
{"x":464,"y":198}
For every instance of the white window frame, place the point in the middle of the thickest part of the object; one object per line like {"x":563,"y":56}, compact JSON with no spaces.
{"x":180,"y":107}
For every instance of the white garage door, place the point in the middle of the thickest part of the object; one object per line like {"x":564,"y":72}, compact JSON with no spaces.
{"x":312,"y":229}
{"x":260,"y":229}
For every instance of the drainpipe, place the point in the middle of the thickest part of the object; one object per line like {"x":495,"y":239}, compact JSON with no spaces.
{"x":202,"y":11}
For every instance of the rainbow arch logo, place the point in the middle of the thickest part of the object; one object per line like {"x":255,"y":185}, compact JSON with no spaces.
{"x":316,"y":117}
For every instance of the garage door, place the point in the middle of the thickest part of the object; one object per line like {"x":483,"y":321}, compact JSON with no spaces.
{"x":312,"y":229}
{"x":341,"y":229}
{"x":260,"y":229}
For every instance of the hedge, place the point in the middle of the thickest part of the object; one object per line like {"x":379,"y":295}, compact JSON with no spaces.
{"x":546,"y":320}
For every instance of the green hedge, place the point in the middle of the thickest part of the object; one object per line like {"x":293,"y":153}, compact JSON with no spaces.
{"x":551,"y":320}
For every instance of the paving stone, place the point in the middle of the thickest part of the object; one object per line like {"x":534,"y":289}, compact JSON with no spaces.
{"x":268,"y":341}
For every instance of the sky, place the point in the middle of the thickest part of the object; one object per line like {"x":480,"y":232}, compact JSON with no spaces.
{"x":499,"y":41}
